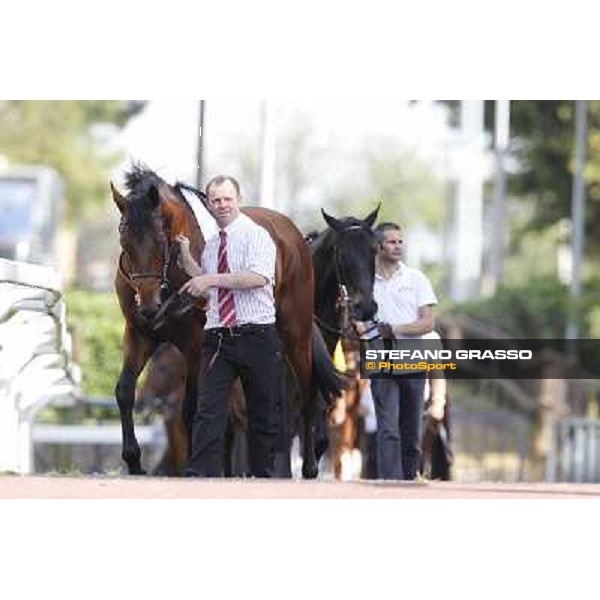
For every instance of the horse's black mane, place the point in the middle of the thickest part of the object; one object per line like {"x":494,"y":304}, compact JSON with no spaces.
{"x":140,"y":176}
{"x":138,"y":182}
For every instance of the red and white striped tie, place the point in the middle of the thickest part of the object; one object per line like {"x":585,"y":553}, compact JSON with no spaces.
{"x":226,"y":305}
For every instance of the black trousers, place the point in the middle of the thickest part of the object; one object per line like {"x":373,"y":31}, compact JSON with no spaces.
{"x":256,"y":357}
{"x":399,"y":409}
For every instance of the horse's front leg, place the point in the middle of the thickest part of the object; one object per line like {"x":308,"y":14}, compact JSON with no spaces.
{"x":310,"y":469}
{"x":137,"y":351}
{"x":190,"y":399}
{"x":190,"y":339}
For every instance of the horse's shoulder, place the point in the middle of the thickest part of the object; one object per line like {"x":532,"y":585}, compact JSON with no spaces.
{"x":293,"y":252}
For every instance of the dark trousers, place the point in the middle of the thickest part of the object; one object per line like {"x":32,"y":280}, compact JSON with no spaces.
{"x":256,"y":357}
{"x":399,"y":408}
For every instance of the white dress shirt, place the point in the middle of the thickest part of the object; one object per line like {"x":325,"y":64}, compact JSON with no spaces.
{"x":249,"y":248}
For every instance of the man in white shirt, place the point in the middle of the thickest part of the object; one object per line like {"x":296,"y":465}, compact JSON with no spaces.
{"x":405,"y":299}
{"x":237,"y":274}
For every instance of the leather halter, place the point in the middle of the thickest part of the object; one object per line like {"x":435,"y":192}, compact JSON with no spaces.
{"x":165,"y":284}
{"x":343,"y":298}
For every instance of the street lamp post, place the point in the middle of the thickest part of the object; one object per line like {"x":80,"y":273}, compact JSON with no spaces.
{"x":578,"y":216}
{"x":501,"y":137}
{"x":200,"y":149}
{"x":468,"y":217}
{"x":267,"y":155}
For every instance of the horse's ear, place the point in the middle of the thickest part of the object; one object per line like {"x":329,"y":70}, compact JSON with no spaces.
{"x":332,"y":221}
{"x":153,"y":197}
{"x":118,"y":198}
{"x":372,"y":217}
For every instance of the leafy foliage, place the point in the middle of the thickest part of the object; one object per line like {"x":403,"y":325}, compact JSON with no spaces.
{"x":96,"y":324}
{"x":532,"y":311}
{"x":538,"y":309}
{"x":542,"y":134}
{"x":61,"y":134}
{"x":408,"y":190}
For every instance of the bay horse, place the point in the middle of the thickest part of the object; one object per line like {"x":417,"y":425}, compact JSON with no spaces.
{"x":148,"y":275}
{"x":163,"y":393}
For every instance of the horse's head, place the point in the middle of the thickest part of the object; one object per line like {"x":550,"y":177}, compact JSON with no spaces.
{"x":354,"y":250}
{"x":151,"y":218}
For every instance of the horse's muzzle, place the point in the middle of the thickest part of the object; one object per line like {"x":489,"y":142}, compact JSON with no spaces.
{"x":148,"y":312}
{"x":361,"y":311}
{"x":144,"y":316}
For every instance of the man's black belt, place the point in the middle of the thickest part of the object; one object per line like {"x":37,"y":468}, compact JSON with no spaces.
{"x":239,"y":330}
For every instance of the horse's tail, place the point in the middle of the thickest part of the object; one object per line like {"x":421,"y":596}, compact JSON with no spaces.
{"x":329,"y":382}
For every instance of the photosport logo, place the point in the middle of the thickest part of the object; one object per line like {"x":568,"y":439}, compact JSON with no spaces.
{"x":473,"y":358}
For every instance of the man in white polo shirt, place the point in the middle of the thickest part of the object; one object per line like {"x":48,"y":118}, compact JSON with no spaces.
{"x":237,"y":273}
{"x":405,"y":299}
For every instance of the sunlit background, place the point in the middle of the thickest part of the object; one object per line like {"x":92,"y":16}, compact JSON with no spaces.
{"x":496,"y":198}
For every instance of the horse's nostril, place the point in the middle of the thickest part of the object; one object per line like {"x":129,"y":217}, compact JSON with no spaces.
{"x":148,"y":312}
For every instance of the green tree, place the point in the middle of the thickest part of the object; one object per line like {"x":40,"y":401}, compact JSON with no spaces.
{"x":96,"y":324}
{"x":542,"y":139}
{"x":62,"y":134}
{"x":407,"y":188}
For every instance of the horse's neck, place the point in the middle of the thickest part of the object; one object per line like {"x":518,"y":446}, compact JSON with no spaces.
{"x":206,"y":222}
{"x":326,"y":284}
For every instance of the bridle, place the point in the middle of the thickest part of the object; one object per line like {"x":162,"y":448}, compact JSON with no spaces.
{"x":162,"y":276}
{"x":342,"y":304}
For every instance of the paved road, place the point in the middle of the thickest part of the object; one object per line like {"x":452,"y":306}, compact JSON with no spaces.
{"x":12,"y":486}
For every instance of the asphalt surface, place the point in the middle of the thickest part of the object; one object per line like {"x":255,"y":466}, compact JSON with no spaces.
{"x":23,"y":487}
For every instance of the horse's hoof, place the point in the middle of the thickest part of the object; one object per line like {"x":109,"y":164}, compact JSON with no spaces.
{"x":321,"y":446}
{"x":137,"y":471}
{"x":309,"y":471}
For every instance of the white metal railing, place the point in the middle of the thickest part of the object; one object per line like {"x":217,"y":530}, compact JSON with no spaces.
{"x":97,"y":434}
{"x":575,"y":451}
{"x":103,"y":435}
{"x":35,"y":357}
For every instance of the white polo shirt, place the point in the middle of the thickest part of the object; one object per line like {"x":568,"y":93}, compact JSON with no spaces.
{"x":249,"y":248}
{"x":400,"y":297}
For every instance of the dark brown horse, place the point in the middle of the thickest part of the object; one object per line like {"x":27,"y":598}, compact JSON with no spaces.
{"x":163,"y":393}
{"x":153,"y":214}
{"x":344,"y":264}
